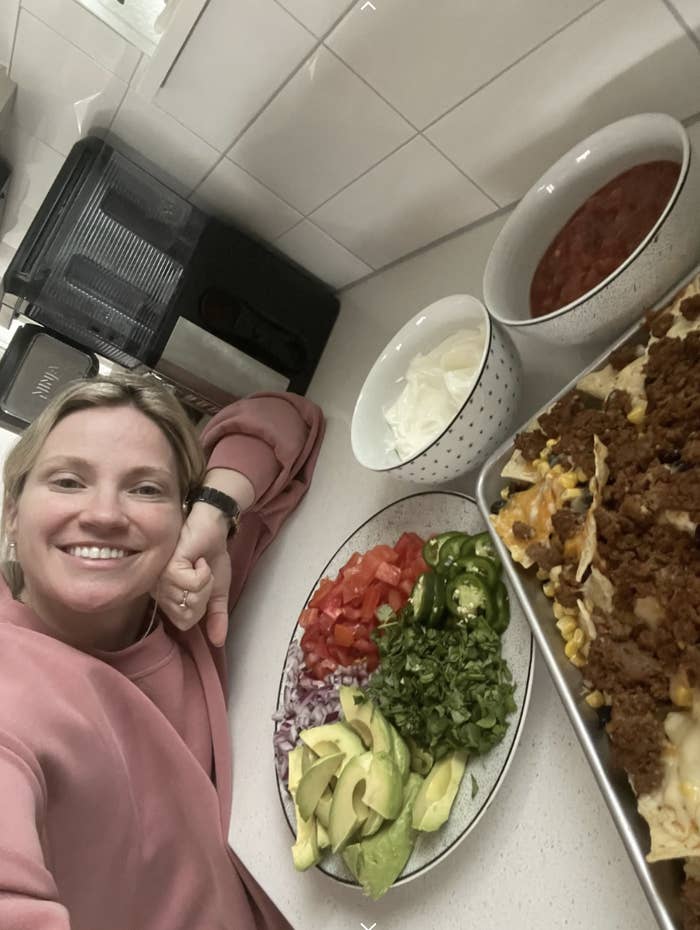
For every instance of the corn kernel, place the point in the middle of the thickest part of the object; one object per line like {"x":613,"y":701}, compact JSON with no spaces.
{"x":558,"y":610}
{"x":578,"y":661}
{"x":595,"y":699}
{"x":578,"y":637}
{"x":569,"y":479}
{"x":636,"y":415}
{"x":551,"y":443}
{"x":567,"y":627}
{"x":548,"y":589}
{"x":542,"y":467}
{"x":571,"y":649}
{"x":581,"y":475}
{"x":505,"y":493}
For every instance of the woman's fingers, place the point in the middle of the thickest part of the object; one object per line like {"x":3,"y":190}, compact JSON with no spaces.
{"x":184,"y":592}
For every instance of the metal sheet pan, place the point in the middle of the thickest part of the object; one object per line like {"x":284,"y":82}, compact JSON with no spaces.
{"x":661,"y":881}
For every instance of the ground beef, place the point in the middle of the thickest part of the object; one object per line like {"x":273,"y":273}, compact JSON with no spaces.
{"x":690,"y":307}
{"x":622,"y":666}
{"x":530,"y":444}
{"x":659,"y":324}
{"x":546,"y":557}
{"x":690,"y":453}
{"x":690,"y":901}
{"x":522,"y":530}
{"x":637,"y":736}
{"x":568,"y":590}
{"x":622,"y":357}
{"x":567,"y":523}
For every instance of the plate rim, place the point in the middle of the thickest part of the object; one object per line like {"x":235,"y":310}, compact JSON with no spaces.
{"x":517,"y":731}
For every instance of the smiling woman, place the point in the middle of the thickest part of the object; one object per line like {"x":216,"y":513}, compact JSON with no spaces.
{"x":115,"y":769}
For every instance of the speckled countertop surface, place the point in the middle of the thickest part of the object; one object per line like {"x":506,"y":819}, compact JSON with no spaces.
{"x":546,"y":853}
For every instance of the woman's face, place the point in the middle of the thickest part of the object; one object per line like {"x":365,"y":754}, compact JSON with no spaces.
{"x":99,"y":516}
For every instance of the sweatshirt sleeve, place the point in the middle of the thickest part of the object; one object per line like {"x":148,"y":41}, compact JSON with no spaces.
{"x":28,"y":893}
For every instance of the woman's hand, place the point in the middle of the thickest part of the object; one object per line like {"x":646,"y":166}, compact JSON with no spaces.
{"x":200,"y":566}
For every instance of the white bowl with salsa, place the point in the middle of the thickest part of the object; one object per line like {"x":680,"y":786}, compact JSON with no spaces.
{"x":601,"y":236}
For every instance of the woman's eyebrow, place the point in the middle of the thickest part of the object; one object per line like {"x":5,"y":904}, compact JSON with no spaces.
{"x":77,"y":463}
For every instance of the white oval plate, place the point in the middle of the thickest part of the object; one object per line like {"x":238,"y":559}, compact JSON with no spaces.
{"x":428,"y":513}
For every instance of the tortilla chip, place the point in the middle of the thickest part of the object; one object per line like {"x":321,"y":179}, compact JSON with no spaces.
{"x":598,"y":591}
{"x":517,"y":468}
{"x":535,"y":507}
{"x":596,"y":485}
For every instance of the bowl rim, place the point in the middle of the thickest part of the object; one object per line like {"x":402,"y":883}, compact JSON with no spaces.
{"x":661,"y":219}
{"x":486,"y":349}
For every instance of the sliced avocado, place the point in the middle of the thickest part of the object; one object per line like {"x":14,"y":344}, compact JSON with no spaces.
{"x":323,"y":808}
{"x":348,"y":810}
{"x":305,"y":851}
{"x":384,"y":788}
{"x":380,"y":732}
{"x":421,"y":759}
{"x":436,"y":796}
{"x":371,"y":825}
{"x":314,"y":782}
{"x":333,"y":737}
{"x":357,"y":711}
{"x":322,"y":837}
{"x":376,"y":862}
{"x":399,"y":750}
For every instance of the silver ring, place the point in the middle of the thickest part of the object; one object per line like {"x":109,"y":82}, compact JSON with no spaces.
{"x":183,"y":602}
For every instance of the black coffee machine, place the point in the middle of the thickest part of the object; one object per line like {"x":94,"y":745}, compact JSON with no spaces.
{"x":119,"y":264}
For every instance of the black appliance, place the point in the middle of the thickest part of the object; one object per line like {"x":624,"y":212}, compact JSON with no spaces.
{"x":121,"y":265}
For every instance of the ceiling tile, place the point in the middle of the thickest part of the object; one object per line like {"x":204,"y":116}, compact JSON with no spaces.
{"x":161,"y":145}
{"x":317,"y":15}
{"x":322,"y":131}
{"x":8,"y":23}
{"x":91,"y":35}
{"x":62,"y":94}
{"x":412,"y":198}
{"x":311,"y":248}
{"x":426,"y":57}
{"x":232,"y":195}
{"x":233,"y":62}
{"x":505,"y":136}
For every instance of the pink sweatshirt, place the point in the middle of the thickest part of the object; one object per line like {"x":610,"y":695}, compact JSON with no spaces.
{"x":115,"y":768}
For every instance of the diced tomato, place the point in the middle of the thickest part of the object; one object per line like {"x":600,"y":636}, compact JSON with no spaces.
{"x":395,"y":599}
{"x":391,"y":574}
{"x":309,"y":616}
{"x":370,"y":602}
{"x":344,"y":633}
{"x":340,"y":616}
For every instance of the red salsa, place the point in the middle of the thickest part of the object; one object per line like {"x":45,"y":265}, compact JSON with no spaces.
{"x":603,"y":232}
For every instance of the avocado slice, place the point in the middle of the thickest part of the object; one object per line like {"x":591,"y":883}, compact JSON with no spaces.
{"x":322,"y":837}
{"x":348,"y":810}
{"x":380,"y":731}
{"x":376,"y":862}
{"x":399,"y":750}
{"x":333,"y":737}
{"x":439,"y":789}
{"x":314,"y":782}
{"x":384,"y":788}
{"x":323,"y":808}
{"x":305,"y":851}
{"x":371,"y":825}
{"x":358,"y":711}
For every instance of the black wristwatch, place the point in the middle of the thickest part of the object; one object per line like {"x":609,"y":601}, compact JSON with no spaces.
{"x":223,"y":502}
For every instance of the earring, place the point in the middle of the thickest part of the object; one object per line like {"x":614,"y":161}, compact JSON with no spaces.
{"x":13,"y":552}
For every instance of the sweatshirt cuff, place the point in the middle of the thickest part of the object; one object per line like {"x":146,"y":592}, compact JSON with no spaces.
{"x":249,"y":455}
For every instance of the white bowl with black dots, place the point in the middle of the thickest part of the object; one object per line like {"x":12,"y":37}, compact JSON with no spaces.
{"x":484,"y":419}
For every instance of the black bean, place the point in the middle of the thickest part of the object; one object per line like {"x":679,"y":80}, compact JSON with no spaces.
{"x":497,"y":506}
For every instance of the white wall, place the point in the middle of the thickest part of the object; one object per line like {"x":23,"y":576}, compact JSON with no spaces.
{"x":349,"y":137}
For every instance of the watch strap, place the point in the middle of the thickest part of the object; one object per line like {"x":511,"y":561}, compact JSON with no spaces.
{"x":223,"y":502}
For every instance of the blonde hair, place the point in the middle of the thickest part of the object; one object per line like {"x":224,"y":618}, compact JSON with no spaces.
{"x":144,"y":394}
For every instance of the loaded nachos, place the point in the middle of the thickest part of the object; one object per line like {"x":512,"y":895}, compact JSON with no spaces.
{"x":604,"y":501}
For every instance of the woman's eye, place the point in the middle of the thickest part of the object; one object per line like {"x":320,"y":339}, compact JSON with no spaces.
{"x":66,"y":483}
{"x":148,"y":490}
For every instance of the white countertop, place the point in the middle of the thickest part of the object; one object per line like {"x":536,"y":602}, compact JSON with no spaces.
{"x":546,"y":854}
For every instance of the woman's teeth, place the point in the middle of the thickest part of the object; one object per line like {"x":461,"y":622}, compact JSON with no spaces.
{"x":94,"y":552}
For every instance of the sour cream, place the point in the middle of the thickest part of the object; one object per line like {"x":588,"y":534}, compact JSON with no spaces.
{"x":436,"y":386}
